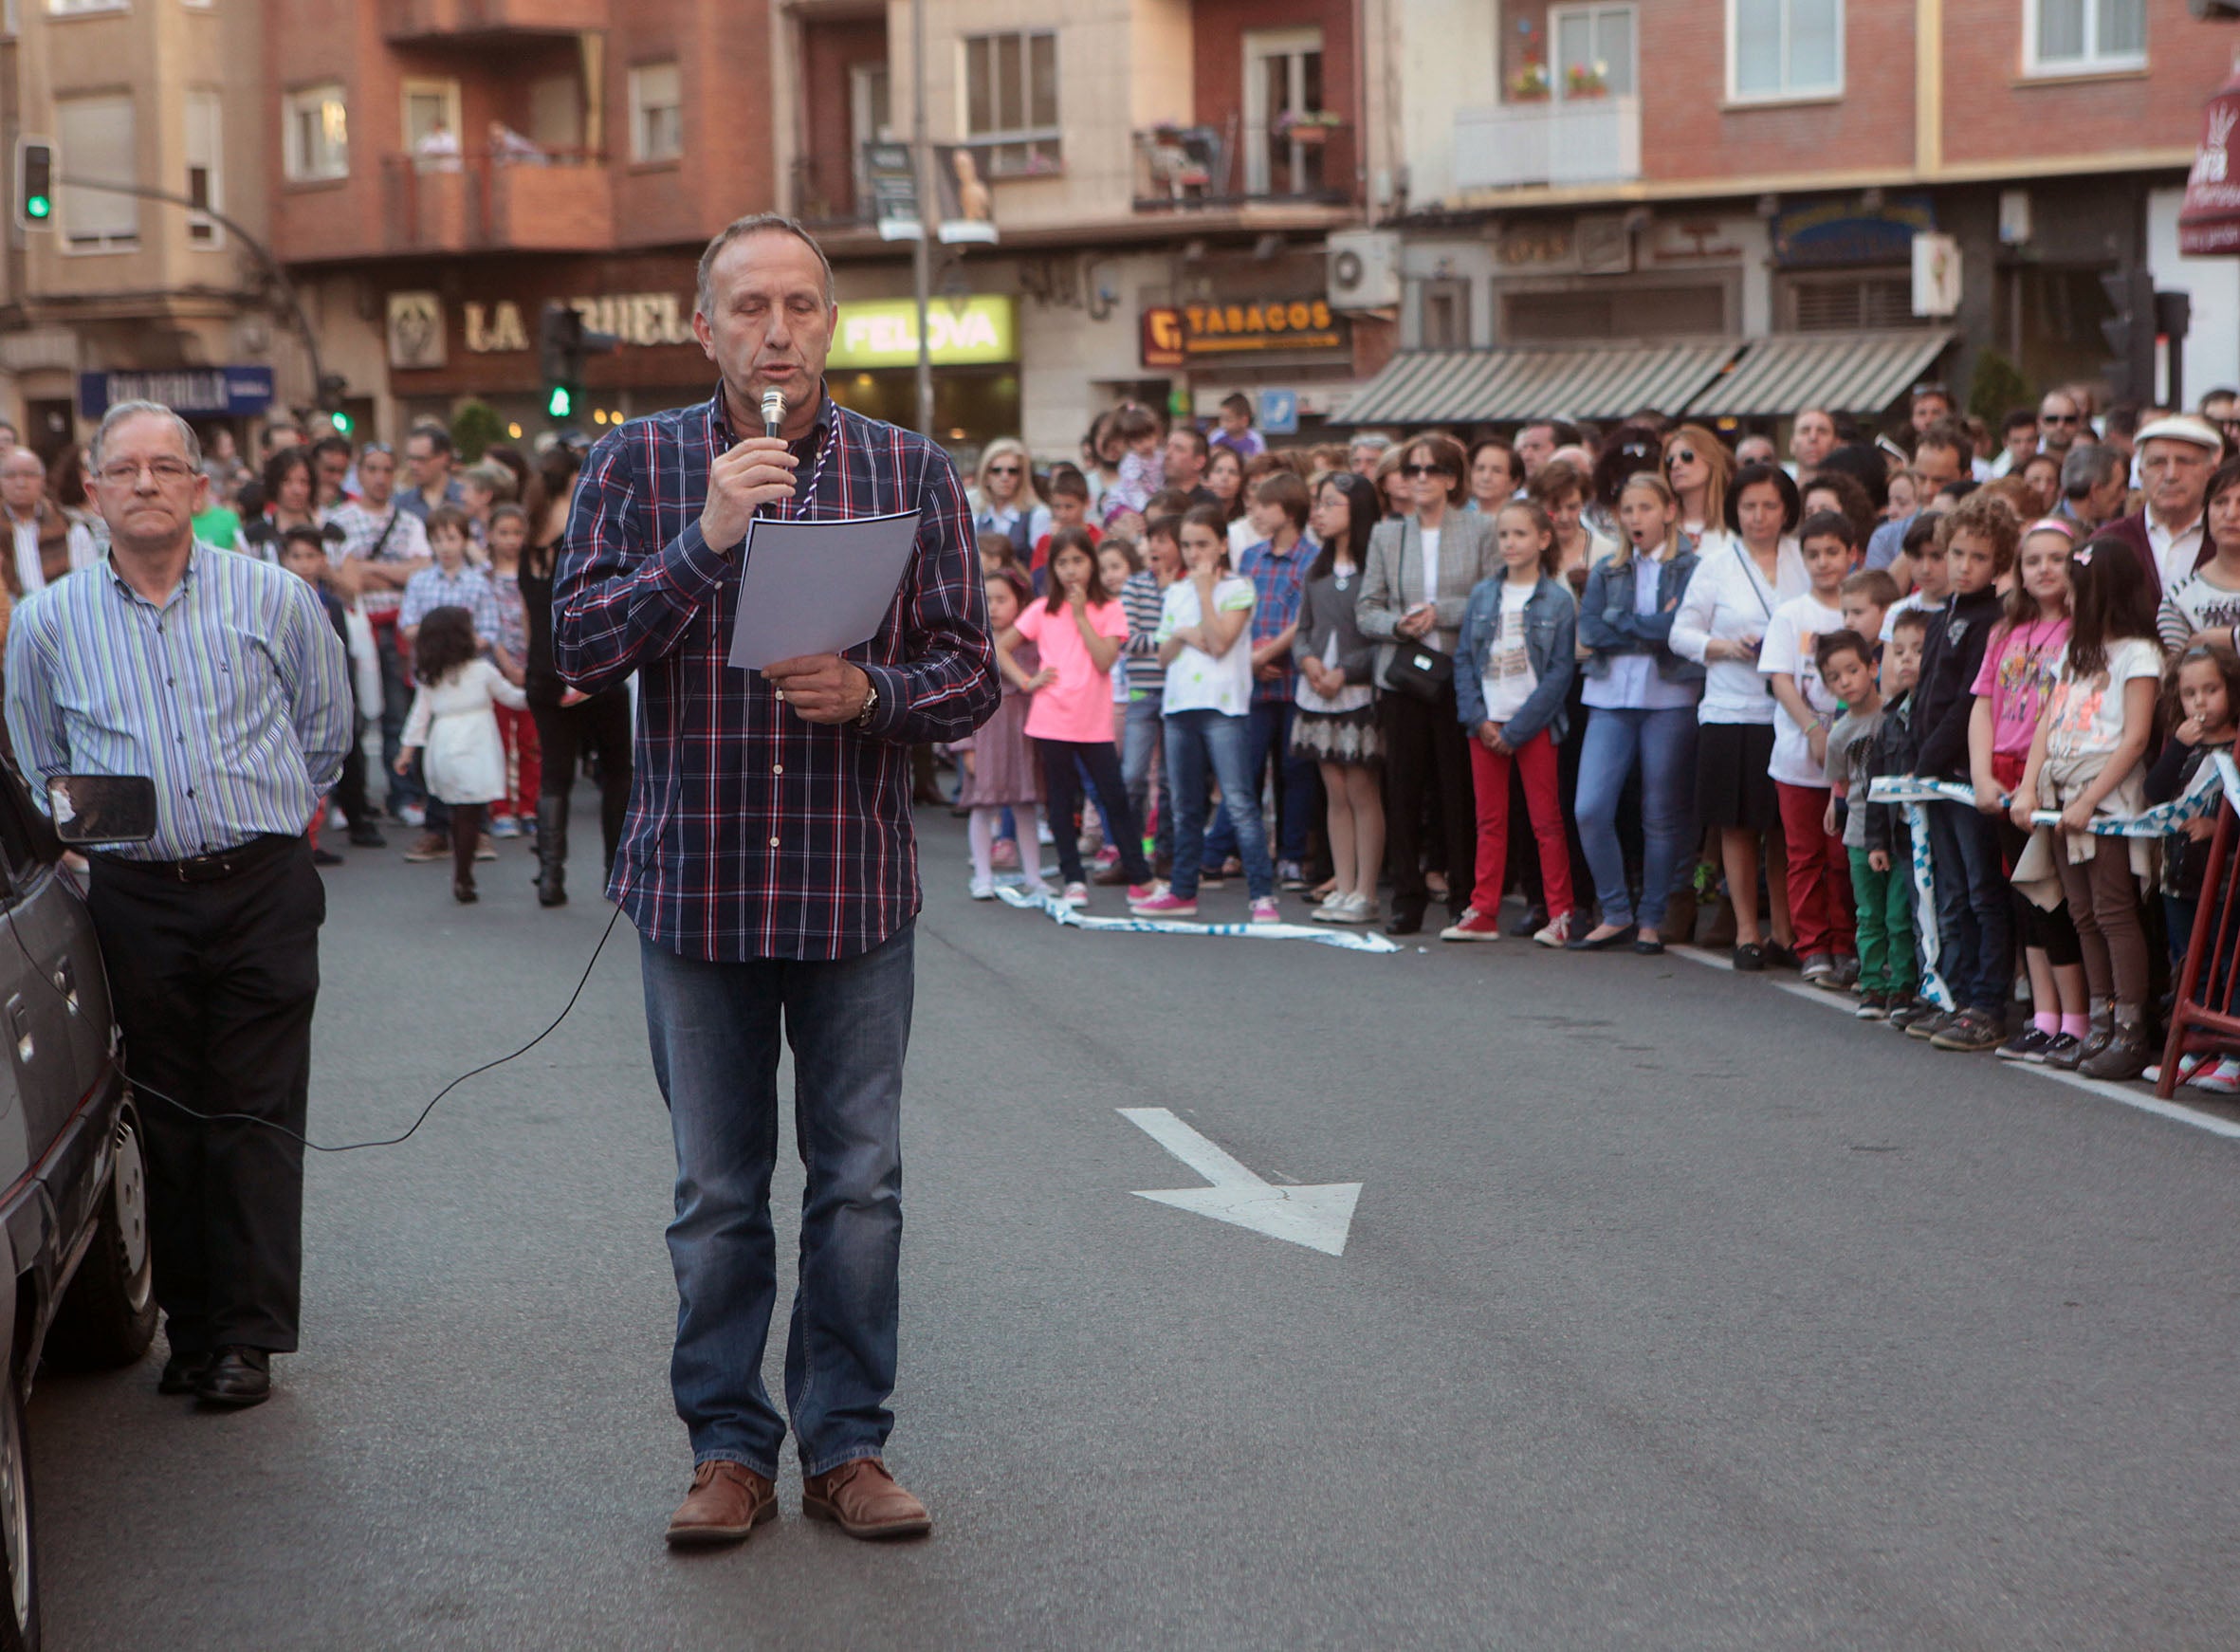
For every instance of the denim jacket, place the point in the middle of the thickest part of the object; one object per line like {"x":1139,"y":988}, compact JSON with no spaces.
{"x":1550,"y":643}
{"x":1609,"y":625}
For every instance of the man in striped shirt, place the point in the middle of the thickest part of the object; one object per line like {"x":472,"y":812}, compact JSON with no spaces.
{"x":770,"y":866}
{"x":220,"y":677}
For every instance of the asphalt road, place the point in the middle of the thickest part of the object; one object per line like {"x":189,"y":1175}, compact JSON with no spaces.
{"x":1678,"y":1311}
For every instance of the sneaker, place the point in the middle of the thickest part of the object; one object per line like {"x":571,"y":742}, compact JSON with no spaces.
{"x":1211,"y":877}
{"x":1846,"y":972}
{"x":1555,"y":932}
{"x":983,"y":888}
{"x":505,"y":826}
{"x":484,"y":847}
{"x":413,"y":815}
{"x":1327,"y":910}
{"x":1005,"y":853}
{"x":1075,"y":895}
{"x":2062,"y":1052}
{"x":1820,"y":969}
{"x":1043,"y":834}
{"x":1928,"y":1026}
{"x":2027,"y":1045}
{"x":1109,"y":874}
{"x":1107,"y":855}
{"x":1138,"y":892}
{"x":1265,"y":911}
{"x":1971,"y":1031}
{"x":1530,"y":924}
{"x":1289,"y":874}
{"x":1873,"y":1006}
{"x":429,"y":846}
{"x":1346,"y":910}
{"x":2220,"y":1077}
{"x":1167,"y":905}
{"x":1473,"y":926}
{"x":2126,"y":1056}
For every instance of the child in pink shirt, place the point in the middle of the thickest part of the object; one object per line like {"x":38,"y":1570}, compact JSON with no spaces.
{"x":1079,"y":629}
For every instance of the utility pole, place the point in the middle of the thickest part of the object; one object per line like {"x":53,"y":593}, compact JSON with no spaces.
{"x":922,"y":258}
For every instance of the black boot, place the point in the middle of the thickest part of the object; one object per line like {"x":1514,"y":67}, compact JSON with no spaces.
{"x":552,"y":851}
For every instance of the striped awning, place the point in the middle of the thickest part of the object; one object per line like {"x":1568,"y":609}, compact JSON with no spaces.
{"x":1437,"y":387}
{"x":1857,"y":373}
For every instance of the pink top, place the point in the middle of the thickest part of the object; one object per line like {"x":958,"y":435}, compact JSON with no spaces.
{"x":2016,"y":680}
{"x":1077,"y":706}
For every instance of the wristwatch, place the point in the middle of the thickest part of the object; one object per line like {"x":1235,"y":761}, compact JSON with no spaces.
{"x":870,"y":703}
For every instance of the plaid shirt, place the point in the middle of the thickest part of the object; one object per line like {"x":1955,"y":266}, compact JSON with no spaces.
{"x":1280,"y":579}
{"x":753,"y":834}
{"x":470,"y":588}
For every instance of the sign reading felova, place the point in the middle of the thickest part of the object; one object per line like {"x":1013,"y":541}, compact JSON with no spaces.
{"x":883,"y":333}
{"x":1175,"y":334}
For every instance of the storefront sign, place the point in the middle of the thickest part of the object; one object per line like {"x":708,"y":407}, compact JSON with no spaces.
{"x":2209,"y":222}
{"x":637,"y":320}
{"x":883,"y":333}
{"x":196,"y":392}
{"x":1176,"y":334}
{"x":1847,"y":231}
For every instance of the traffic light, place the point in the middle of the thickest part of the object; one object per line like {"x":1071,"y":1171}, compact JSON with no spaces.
{"x":561,"y":404}
{"x":34,"y":184}
{"x":332,"y":388}
{"x":2130,"y":333}
{"x":562,"y":341}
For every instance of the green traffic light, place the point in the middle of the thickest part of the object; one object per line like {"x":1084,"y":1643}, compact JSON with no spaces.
{"x":38,"y":207}
{"x":343,"y":421}
{"x":561,"y":404}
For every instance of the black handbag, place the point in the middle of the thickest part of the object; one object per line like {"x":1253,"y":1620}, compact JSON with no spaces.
{"x":1419,"y":669}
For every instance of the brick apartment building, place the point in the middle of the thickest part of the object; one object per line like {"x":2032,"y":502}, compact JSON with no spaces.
{"x":1733,"y":187}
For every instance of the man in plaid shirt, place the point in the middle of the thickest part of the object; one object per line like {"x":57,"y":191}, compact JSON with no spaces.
{"x":770,"y":866}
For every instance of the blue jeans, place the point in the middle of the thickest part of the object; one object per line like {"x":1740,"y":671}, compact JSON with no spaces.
{"x":715,"y":1029}
{"x":1974,"y":922}
{"x":1146,"y":730}
{"x":1195,"y":739}
{"x":397,"y":705}
{"x":1663,"y":742}
{"x":1295,"y":785}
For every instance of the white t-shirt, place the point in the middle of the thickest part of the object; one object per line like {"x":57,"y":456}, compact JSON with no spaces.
{"x":1797,"y":626}
{"x":1911,"y":602}
{"x":1197,"y":681}
{"x":2087,"y":718}
{"x":1430,"y":539}
{"x":1508,"y":678}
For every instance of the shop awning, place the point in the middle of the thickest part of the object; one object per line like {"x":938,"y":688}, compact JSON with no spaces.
{"x":1860,"y":373}
{"x":1601,"y":382}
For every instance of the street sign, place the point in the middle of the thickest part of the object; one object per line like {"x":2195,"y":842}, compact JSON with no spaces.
{"x":1279,"y":413}
{"x":1318,"y":1217}
{"x":194,"y":392}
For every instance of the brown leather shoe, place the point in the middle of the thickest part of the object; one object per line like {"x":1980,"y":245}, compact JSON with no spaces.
{"x":862,"y":1499}
{"x":727,"y":1501}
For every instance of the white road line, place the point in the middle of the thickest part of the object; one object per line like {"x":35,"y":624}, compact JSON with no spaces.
{"x":2145,"y":1100}
{"x":1319,"y":1217}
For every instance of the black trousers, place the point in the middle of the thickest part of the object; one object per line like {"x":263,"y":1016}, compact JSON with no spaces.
{"x":350,"y":791}
{"x":214,"y":984}
{"x":600,"y":724}
{"x":1423,"y":740}
{"x":1062,"y":763}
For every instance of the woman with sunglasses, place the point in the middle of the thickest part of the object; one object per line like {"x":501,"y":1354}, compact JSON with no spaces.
{"x":1414,"y":590}
{"x":1700,"y":471}
{"x":1004,"y":501}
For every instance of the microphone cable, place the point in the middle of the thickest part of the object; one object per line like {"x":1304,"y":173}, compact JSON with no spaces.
{"x":138,"y":1088}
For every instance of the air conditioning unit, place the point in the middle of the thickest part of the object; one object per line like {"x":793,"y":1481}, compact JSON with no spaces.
{"x":1364,"y":270}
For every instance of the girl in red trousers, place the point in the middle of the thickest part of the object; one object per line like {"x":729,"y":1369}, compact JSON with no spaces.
{"x":1513,"y":665}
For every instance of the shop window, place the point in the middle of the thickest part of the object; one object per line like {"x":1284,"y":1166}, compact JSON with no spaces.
{"x":97,"y":134}
{"x":656,"y":113}
{"x":205,"y":166}
{"x":1011,"y":103}
{"x":1444,"y":319}
{"x":1847,"y":304}
{"x":2067,"y":37}
{"x":1601,"y":313}
{"x":1784,"y":48}
{"x":315,"y":136}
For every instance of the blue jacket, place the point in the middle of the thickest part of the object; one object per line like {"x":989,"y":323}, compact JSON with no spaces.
{"x":1550,"y":643}
{"x":1609,"y":625}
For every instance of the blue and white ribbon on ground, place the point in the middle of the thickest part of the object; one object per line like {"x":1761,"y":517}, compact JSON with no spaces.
{"x":1347,"y":939}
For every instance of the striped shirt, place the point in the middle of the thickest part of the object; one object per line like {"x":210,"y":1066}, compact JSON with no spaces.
{"x":753,"y":834}
{"x":233,"y":696}
{"x":1141,"y":600}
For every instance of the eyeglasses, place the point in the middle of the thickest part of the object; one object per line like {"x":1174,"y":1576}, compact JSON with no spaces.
{"x":1415,"y":471}
{"x":1003,"y":470}
{"x":2059,"y":418}
{"x":1679,"y":456}
{"x":125,"y":472}
{"x":376,"y":447}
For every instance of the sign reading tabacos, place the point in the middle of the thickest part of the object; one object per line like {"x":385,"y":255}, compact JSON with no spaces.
{"x":883,"y":333}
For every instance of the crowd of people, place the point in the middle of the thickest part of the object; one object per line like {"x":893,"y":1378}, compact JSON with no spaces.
{"x":1674,"y":661}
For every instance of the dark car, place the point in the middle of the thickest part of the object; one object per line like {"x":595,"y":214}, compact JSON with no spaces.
{"x":77,"y":1288}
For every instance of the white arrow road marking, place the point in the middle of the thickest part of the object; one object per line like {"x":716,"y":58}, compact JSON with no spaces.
{"x":1319,"y":1217}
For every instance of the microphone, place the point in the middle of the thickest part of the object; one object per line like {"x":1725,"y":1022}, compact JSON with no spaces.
{"x":773,"y":411}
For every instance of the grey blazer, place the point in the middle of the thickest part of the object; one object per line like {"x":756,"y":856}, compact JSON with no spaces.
{"x":1392,"y":578}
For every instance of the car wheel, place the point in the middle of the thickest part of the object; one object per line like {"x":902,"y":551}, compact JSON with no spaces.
{"x":19,"y":1619}
{"x":107,"y":1316}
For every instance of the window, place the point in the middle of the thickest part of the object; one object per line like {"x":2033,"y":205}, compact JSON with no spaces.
{"x":1446,"y":316}
{"x":656,"y":113}
{"x":76,"y":7}
{"x":1011,"y":102}
{"x":1849,"y":302}
{"x":1784,"y":48}
{"x":1283,"y":136}
{"x":315,"y":136}
{"x":2066,"y":37}
{"x":95,"y":137}
{"x":1615,"y":312}
{"x":1593,"y":51}
{"x":203,"y":169}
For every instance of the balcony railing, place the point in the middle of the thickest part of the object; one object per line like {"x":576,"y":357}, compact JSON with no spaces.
{"x":553,"y":200}
{"x":409,"y":20}
{"x":1571,"y":143}
{"x":1187,"y":169}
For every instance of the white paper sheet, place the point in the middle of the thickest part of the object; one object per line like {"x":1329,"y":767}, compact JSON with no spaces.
{"x":817,"y":587}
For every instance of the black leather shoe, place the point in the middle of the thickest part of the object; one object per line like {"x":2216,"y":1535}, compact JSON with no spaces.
{"x":181,"y":1372}
{"x":235,"y":1376}
{"x":1610,"y":943}
{"x":367,"y":836}
{"x":1530,"y":924}
{"x":1648,"y":943}
{"x":1404,"y":921}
